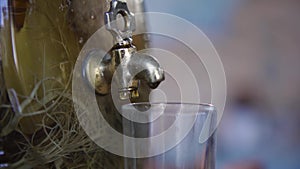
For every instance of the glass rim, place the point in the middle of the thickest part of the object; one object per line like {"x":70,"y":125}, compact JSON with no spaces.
{"x":205,"y":106}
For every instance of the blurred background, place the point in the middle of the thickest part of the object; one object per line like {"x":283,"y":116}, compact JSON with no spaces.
{"x":259,"y":44}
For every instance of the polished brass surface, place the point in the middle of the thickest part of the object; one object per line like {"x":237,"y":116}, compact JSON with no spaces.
{"x":122,"y":60}
{"x":130,"y":67}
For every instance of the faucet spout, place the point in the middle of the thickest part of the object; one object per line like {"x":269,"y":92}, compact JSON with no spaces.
{"x":129,"y":68}
{"x":133,"y":68}
{"x":146,"y":67}
{"x":122,"y":64}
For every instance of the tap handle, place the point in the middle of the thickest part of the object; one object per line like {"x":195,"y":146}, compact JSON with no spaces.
{"x":119,"y":7}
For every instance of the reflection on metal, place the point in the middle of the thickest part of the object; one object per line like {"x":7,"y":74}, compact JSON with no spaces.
{"x":133,"y":65}
{"x":119,"y":8}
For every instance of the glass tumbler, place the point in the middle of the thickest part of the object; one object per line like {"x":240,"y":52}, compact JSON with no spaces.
{"x":169,"y":136}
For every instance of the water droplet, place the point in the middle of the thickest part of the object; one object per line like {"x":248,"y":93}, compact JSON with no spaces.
{"x":92,"y":17}
{"x":61,"y":7}
{"x":69,"y":2}
{"x":124,"y":95}
{"x":72,"y":10}
{"x":80,"y":40}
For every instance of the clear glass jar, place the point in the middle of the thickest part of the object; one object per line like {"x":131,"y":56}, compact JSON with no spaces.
{"x":39,"y":44}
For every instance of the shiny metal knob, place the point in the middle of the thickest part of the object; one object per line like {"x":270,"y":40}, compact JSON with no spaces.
{"x":119,"y":7}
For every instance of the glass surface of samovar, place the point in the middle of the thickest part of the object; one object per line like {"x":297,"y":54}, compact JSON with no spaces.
{"x":39,"y":45}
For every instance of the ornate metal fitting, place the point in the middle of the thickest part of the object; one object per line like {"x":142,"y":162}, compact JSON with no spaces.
{"x":122,"y":62}
{"x":119,"y":7}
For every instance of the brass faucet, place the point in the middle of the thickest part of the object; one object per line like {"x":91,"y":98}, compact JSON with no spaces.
{"x":129,"y":66}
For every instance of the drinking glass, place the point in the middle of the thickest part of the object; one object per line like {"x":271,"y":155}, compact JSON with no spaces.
{"x":169,"y":135}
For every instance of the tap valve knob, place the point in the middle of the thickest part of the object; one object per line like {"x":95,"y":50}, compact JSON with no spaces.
{"x":119,"y":7}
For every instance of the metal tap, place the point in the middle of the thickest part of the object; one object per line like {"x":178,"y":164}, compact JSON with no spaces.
{"x":129,"y":66}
